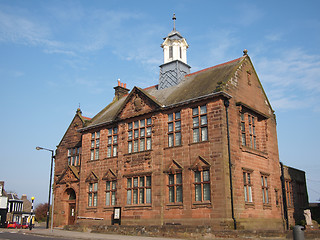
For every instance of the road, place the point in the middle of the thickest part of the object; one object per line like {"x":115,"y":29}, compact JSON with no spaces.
{"x":23,"y":236}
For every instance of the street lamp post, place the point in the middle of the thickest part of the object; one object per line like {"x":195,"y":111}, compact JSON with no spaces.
{"x":50,"y":184}
{"x":30,"y":224}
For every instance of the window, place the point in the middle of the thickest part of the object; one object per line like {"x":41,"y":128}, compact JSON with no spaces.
{"x":74,"y":156}
{"x":139,"y":135}
{"x":248,"y":130}
{"x":111,"y":193}
{"x":276,"y":192}
{"x":289,"y":193}
{"x":175,"y":188}
{"x":202,"y":185}
{"x":112,"y":148}
{"x":139,"y":190}
{"x":247,"y":185}
{"x":170,"y":52}
{"x":200,"y":125}
{"x":264,"y":185}
{"x":95,"y":144}
{"x":174,"y":129}
{"x":93,"y":194}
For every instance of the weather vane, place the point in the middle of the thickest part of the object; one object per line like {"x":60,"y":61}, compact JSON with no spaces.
{"x":174,"y":21}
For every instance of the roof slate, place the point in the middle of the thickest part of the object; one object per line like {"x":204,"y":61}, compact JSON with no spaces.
{"x":195,"y":85}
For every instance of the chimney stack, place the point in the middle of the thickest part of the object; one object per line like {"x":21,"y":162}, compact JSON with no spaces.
{"x":120,"y":90}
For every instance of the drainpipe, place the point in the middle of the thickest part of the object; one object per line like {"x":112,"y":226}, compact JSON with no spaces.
{"x":284,"y":197}
{"x":226,"y":104}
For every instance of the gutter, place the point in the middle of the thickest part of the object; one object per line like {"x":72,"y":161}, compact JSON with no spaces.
{"x":226,"y":104}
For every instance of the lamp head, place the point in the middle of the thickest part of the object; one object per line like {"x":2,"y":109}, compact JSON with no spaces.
{"x":39,"y":148}
{"x":32,"y":198}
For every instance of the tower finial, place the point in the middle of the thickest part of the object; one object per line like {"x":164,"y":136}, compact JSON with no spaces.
{"x":174,"y":21}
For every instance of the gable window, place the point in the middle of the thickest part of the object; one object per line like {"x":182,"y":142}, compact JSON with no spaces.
{"x":139,"y":190}
{"x":174,"y":129}
{"x":111,"y":189}
{"x":248,"y":130}
{"x":74,"y":156}
{"x":200,"y":123}
{"x":112,"y":148}
{"x":247,"y":186}
{"x":139,"y":135}
{"x":265,"y":189}
{"x":95,"y":144}
{"x":93,"y":194}
{"x":175,"y":187}
{"x":202,"y":185}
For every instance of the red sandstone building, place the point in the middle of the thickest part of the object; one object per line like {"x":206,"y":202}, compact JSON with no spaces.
{"x":197,"y":149}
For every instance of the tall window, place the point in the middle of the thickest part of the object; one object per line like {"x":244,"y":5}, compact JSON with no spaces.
{"x":139,"y":135}
{"x":74,"y":156}
{"x":95,"y":144}
{"x":202,"y":185}
{"x":265,"y":189}
{"x":200,"y":124}
{"x":139,"y":190}
{"x":93,"y":195}
{"x":112,"y":149}
{"x":111,"y":188}
{"x":247,"y":186}
{"x":175,"y":188}
{"x":248,"y":130}
{"x":170,"y":52}
{"x":289,"y":193}
{"x":174,"y":129}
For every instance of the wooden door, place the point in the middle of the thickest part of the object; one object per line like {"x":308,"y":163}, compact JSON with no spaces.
{"x":72,"y":213}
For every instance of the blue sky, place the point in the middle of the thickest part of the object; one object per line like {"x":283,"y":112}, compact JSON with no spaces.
{"x":56,"y":55}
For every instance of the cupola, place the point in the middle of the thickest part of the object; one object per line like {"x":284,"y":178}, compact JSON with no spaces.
{"x":174,"y":66}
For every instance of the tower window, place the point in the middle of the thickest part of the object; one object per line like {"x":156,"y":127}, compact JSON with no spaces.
{"x":170,"y":52}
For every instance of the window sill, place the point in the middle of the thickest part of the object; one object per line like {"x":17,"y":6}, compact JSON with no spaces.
{"x":91,"y":209}
{"x":95,"y":160}
{"x":254,"y":151}
{"x":174,"y":206}
{"x":266,"y":206}
{"x":199,"y":142}
{"x":109,"y":208}
{"x":110,"y":157}
{"x":249,"y":205}
{"x":135,"y":207}
{"x":201,"y":205}
{"x":178,"y":146}
{"x":129,"y":154}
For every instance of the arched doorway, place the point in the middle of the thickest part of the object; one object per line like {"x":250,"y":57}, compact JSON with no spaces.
{"x":71,"y":200}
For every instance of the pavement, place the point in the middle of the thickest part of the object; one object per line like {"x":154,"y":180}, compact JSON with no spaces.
{"x":59,"y":233}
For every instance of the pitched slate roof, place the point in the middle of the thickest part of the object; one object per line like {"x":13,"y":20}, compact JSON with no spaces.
{"x":194,"y":86}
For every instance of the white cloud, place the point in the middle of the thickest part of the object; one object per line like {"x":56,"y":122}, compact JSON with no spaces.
{"x":293,"y":77}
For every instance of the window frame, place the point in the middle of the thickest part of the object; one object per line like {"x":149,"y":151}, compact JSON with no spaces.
{"x":112,"y":142}
{"x":95,"y":145}
{"x":175,"y":188}
{"x":140,"y":135}
{"x":174,"y":134}
{"x":199,"y":129}
{"x":265,"y":189}
{"x":74,"y":156}
{"x":139,"y":193}
{"x":247,"y":187}
{"x":93,"y":194}
{"x":200,"y":187}
{"x":111,"y":193}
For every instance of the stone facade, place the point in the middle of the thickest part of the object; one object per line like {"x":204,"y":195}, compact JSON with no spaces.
{"x":170,"y":156}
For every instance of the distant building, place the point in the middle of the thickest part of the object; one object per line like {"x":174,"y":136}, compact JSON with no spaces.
{"x":12,"y":208}
{"x":197,"y":149}
{"x":3,"y":205}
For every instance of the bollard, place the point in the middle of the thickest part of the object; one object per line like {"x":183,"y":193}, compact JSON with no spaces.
{"x":298,"y":233}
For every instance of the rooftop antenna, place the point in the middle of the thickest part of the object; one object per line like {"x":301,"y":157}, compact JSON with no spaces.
{"x":174,"y":22}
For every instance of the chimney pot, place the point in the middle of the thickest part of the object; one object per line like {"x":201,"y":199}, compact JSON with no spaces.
{"x":125,"y":85}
